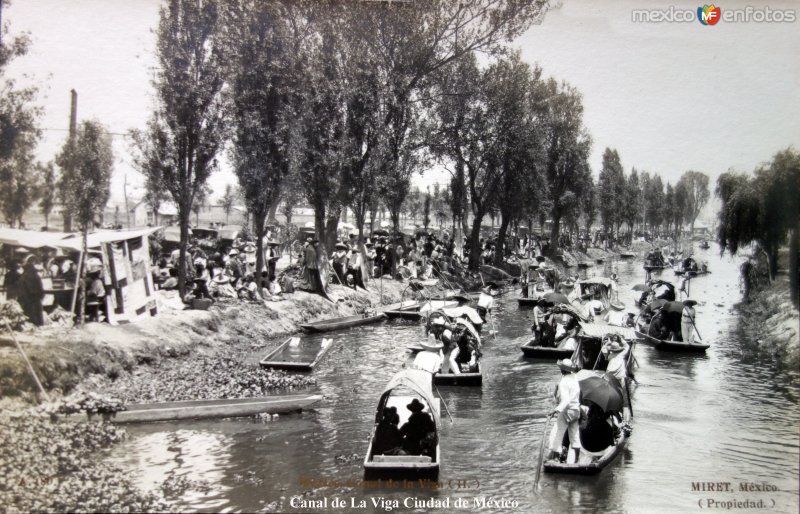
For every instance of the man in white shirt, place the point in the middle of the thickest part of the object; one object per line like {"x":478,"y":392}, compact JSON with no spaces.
{"x":568,"y":411}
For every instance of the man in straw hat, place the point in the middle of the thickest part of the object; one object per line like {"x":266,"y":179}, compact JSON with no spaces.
{"x":418,"y":426}
{"x":615,"y":350}
{"x":568,"y":411}
{"x":687,"y":321}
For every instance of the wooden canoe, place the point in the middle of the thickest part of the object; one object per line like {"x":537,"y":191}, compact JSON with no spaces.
{"x":653,"y":267}
{"x":673,"y":346}
{"x":417,"y":466}
{"x":527,"y":302}
{"x":627,"y":255}
{"x":461,"y":379}
{"x":585,"y":264}
{"x":286,"y":357}
{"x":588,"y":468}
{"x":341,"y":323}
{"x":545,"y":352}
{"x":202,"y":409}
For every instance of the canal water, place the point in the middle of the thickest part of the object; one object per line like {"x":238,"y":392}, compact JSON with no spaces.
{"x":725,"y":416}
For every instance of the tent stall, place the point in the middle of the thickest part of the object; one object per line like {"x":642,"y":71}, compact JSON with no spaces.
{"x":125,"y":257}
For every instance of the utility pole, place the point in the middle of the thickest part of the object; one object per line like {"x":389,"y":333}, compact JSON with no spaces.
{"x":73,"y":127}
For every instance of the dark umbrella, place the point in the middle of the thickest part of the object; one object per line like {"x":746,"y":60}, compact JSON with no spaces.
{"x":555,"y":298}
{"x":640,"y":287}
{"x":381,"y":232}
{"x":673,"y":307}
{"x":656,"y":304}
{"x":604,"y":393}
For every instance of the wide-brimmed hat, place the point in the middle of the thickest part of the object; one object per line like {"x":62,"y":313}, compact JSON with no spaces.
{"x":94,"y":265}
{"x":566,"y":365}
{"x":272,"y":243}
{"x":341,"y":246}
{"x":438,"y":320}
{"x":432,"y":346}
{"x":368,"y":242}
{"x":689,"y":303}
{"x":221,"y":279}
{"x":615,"y":347}
{"x":568,"y":283}
{"x":415,"y":406}
{"x":233,"y":252}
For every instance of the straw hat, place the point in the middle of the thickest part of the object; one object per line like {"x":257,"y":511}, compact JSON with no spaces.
{"x":566,"y":365}
{"x":432,"y":346}
{"x":438,"y":320}
{"x":415,"y":406}
{"x":615,"y":347}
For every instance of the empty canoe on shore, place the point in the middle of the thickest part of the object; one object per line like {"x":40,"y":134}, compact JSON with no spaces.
{"x":296,"y":355}
{"x":340,"y":323}
{"x":545,"y":352}
{"x":588,"y":468}
{"x":673,"y":346}
{"x":460,"y":379}
{"x":202,"y":409}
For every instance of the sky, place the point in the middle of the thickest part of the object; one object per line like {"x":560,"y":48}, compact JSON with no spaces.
{"x":669,"y":97}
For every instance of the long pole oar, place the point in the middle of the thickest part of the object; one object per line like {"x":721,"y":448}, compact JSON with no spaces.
{"x":443,"y":402}
{"x":28,"y":362}
{"x":494,"y":331}
{"x":541,"y":453}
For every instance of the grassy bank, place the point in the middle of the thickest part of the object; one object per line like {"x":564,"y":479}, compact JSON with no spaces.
{"x":100,"y":357}
{"x":771,"y":322}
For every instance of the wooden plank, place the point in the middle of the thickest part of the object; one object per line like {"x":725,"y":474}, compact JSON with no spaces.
{"x":203,"y":409}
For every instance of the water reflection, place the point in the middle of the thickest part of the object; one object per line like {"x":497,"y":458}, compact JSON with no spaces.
{"x":725,"y":415}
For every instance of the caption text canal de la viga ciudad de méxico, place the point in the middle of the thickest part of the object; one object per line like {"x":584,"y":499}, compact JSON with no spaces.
{"x":409,"y":502}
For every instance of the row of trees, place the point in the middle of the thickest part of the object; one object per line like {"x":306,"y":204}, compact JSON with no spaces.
{"x":763,"y":208}
{"x":340,"y":104}
{"x":324,"y":96}
{"x":642,"y":200}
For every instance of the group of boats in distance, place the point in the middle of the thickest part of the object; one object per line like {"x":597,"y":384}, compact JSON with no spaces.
{"x":584,"y":319}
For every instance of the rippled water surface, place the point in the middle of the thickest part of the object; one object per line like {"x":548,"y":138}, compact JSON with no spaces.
{"x":723,"y":416}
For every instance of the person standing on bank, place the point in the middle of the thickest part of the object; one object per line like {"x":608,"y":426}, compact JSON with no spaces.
{"x":568,"y":411}
{"x":31,"y":292}
{"x":340,"y":262}
{"x":272,"y":259}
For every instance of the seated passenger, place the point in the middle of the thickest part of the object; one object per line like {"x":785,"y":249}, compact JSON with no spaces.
{"x":597,"y":434}
{"x":418,"y":426}
{"x":388,"y":440}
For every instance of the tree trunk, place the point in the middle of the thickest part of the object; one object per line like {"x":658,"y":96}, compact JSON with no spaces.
{"x":183,"y":217}
{"x":331,"y":231}
{"x":394,"y":214}
{"x":500,"y":251}
{"x":259,"y":226}
{"x":82,"y":275}
{"x":794,"y":254}
{"x":555,"y":231}
{"x":474,"y":242}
